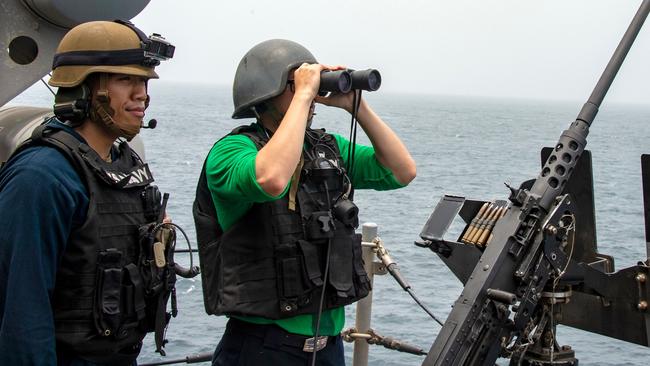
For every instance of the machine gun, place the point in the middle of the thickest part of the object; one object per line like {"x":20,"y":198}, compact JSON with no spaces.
{"x":536,"y":257}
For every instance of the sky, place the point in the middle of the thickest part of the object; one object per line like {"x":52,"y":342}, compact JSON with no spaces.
{"x":549,"y":49}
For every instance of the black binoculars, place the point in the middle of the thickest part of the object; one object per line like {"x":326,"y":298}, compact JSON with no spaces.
{"x":342,"y":81}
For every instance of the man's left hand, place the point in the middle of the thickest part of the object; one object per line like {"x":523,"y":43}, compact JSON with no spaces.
{"x":343,"y":101}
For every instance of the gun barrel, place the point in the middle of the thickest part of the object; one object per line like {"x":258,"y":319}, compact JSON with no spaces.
{"x":590,"y":109}
{"x":562,"y":161}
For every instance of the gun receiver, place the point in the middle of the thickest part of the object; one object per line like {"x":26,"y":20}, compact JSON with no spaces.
{"x":499,"y":310}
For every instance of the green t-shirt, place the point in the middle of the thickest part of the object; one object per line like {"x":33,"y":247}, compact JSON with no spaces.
{"x":230,"y":173}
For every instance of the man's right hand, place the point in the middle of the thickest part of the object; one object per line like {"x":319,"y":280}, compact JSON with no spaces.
{"x":307,"y":78}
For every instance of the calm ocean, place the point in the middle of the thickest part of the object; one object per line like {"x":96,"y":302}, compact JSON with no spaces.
{"x":463,"y":146}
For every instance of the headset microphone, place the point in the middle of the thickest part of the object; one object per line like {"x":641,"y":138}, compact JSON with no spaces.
{"x":151,"y":124}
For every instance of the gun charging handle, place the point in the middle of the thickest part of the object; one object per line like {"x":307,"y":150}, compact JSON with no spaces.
{"x":501,"y":296}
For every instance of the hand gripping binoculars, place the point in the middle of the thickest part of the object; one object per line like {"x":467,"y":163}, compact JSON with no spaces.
{"x":342,"y":81}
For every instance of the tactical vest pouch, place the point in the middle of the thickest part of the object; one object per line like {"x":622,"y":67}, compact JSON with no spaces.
{"x":360,"y":278}
{"x":289,"y":277}
{"x":341,"y":270}
{"x":298,"y":275}
{"x":310,"y":255}
{"x":108,"y":300}
{"x":134,"y":293}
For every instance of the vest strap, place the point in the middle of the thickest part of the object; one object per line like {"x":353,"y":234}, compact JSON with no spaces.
{"x":295,"y":179}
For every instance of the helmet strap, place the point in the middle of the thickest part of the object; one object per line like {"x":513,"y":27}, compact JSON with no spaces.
{"x":257,"y":115}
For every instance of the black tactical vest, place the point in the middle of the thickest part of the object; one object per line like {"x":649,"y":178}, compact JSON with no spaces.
{"x":271,"y":262}
{"x":101,"y":311}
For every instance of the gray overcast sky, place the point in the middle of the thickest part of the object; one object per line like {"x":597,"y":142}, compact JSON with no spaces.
{"x":548,"y":49}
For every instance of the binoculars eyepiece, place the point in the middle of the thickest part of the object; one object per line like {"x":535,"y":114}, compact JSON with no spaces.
{"x":342,"y":81}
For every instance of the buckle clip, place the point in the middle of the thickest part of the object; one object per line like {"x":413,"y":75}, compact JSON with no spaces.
{"x":320,"y":343}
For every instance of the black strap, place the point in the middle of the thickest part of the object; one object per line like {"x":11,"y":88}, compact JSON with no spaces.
{"x":139,"y":175}
{"x":100,"y":58}
{"x":253,"y":132}
{"x":38,"y":132}
{"x":269,"y":332}
{"x":162,"y":319}
{"x":143,"y":37}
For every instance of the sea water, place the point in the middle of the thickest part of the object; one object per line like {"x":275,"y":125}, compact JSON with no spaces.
{"x":462,"y":146}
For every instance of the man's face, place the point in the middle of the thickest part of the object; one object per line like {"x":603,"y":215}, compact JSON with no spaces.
{"x":128,"y":94}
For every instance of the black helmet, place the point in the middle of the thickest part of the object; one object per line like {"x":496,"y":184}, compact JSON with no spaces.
{"x":262,"y":73}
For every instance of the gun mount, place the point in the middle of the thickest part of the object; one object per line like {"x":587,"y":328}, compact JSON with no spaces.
{"x":531,"y":265}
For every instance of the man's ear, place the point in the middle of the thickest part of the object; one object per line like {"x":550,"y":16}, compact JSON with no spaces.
{"x":92,"y":81}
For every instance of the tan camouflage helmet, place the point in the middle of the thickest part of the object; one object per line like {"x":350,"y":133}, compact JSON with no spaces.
{"x":101,"y":46}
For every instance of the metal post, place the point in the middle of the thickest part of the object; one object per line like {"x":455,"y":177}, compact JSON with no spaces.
{"x":364,"y":306}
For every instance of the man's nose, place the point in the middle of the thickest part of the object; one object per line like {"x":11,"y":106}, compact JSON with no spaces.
{"x":140,"y":90}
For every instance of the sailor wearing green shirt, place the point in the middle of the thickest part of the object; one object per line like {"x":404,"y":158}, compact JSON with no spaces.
{"x":274,"y":213}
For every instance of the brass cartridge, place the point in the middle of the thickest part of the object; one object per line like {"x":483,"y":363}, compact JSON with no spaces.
{"x":475,"y":234}
{"x":489,"y":226}
{"x":474,"y":221}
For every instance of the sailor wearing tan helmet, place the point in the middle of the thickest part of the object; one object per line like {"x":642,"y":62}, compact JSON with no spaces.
{"x":72,"y":291}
